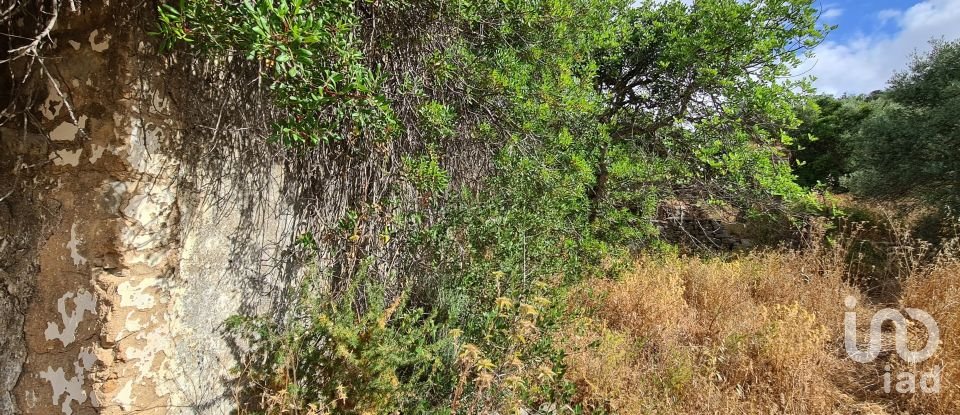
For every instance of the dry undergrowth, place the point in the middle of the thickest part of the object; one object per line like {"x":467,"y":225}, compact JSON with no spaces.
{"x":758,"y":334}
{"x":936,"y":289}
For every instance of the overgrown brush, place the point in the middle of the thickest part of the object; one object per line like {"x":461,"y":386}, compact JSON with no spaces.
{"x":333,"y":355}
{"x":756,"y":334}
{"x":444,"y":287}
{"x":935,"y":288}
{"x":711,"y":336}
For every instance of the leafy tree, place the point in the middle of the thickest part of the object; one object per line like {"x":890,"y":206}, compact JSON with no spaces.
{"x":910,"y":144}
{"x":821,"y":144}
{"x":699,"y":98}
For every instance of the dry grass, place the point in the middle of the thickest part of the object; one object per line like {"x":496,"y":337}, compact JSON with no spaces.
{"x":935,"y":289}
{"x":760,"y":334}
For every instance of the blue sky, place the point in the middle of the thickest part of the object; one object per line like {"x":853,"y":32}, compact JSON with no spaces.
{"x":876,"y":38}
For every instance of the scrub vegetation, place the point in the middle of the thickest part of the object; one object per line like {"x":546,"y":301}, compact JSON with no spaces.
{"x":534,"y":273}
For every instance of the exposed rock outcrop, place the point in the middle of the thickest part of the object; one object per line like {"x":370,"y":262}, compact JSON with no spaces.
{"x":118,"y":263}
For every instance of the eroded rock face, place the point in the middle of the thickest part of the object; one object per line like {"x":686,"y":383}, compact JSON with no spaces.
{"x":118,"y":264}
{"x":21,"y":216}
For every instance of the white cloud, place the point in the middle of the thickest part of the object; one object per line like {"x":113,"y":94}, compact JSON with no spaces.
{"x":887,"y":15}
{"x":832,"y":13}
{"x":866,"y":63}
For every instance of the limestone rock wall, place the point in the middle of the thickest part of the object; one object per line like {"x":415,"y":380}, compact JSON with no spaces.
{"x":119,"y":261}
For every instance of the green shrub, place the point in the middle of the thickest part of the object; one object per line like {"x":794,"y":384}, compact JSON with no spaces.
{"x":332,"y":355}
